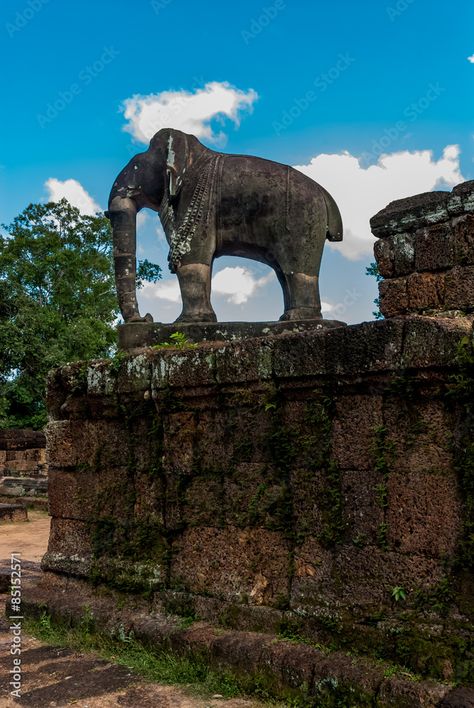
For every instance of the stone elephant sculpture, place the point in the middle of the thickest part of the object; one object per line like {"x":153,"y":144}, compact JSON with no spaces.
{"x":213,"y":204}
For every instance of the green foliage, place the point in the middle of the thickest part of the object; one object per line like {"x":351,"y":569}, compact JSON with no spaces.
{"x":57,"y":302}
{"x":398,"y":593}
{"x":373,"y":270}
{"x":147,"y":272}
{"x":178,"y":340}
{"x":193,"y":671}
{"x":382,"y":536}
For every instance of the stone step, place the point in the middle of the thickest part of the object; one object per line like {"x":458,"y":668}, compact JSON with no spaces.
{"x":12,"y":512}
{"x":37,"y":470}
{"x":23,"y":486}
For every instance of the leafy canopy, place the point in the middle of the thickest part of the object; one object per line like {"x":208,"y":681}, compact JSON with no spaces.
{"x":57,"y":302}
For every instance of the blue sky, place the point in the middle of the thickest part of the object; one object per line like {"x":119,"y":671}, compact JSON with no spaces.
{"x":370,"y":99}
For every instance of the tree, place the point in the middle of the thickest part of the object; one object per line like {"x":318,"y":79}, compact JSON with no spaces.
{"x":57,"y":302}
{"x":373,"y":270}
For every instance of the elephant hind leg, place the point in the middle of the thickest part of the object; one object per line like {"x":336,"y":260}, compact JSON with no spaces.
{"x":301,"y":296}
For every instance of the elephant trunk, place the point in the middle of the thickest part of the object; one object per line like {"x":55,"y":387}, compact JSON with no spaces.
{"x":123,"y":217}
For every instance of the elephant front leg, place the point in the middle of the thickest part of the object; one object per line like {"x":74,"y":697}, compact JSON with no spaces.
{"x":195,"y":285}
{"x":301,"y":295}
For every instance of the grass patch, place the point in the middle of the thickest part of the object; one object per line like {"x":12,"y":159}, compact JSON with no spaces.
{"x":192,"y":673}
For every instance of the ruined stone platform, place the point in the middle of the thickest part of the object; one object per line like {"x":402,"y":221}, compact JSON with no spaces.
{"x":12,"y":512}
{"x":315,"y":483}
{"x":136,"y":335}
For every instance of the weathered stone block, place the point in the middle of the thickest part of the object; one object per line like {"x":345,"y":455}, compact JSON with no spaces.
{"x":410,"y":214}
{"x":393,"y":297}
{"x":398,"y":693}
{"x":424,"y":513}
{"x":434,"y":248}
{"x":92,"y":443}
{"x":203,"y":501}
{"x":69,"y":548}
{"x":236,"y":564}
{"x":375,"y":346}
{"x":460,"y":288}
{"x":301,"y":356}
{"x":419,"y":436}
{"x":431,"y":342}
{"x":313,"y":566}
{"x":461,"y":199}
{"x":336,"y":351}
{"x":179,"y":432}
{"x":188,"y":367}
{"x":395,"y":255}
{"x":254,"y":494}
{"x":363,"y":500}
{"x":114,"y":492}
{"x":307,"y":489}
{"x":355,"y":424}
{"x":10,"y":513}
{"x":250,"y":431}
{"x":366,"y":576}
{"x":243,"y":361}
{"x":463,"y":235}
{"x":425,"y":291}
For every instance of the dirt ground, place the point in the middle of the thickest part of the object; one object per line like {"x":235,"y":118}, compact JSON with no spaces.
{"x":53,"y":676}
{"x":30,"y":538}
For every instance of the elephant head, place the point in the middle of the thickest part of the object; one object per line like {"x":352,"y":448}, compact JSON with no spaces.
{"x":152,"y":179}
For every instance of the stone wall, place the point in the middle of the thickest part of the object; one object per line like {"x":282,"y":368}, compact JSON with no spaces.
{"x":23,"y":468}
{"x":318,"y":485}
{"x":425,"y":253}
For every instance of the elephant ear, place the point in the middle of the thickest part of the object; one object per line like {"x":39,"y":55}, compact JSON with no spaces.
{"x":176,"y":160}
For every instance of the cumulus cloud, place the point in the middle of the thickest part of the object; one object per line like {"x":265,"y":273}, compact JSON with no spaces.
{"x":238,"y":284}
{"x":74,"y":192}
{"x":471,"y":58}
{"x":361,"y":192}
{"x":235,"y":284}
{"x":190,"y":111}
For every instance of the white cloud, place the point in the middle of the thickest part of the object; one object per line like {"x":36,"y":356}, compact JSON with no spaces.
{"x":471,"y":58}
{"x":327,"y":307}
{"x":165,"y":290}
{"x":189,"y":111}
{"x":235,"y":284}
{"x":238,"y":284}
{"x":361,"y":192}
{"x":74,"y":192}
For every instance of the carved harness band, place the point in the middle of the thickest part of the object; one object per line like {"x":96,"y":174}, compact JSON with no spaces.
{"x":198,"y":211}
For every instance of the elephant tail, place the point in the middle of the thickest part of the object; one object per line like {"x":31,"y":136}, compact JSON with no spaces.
{"x":334,"y":219}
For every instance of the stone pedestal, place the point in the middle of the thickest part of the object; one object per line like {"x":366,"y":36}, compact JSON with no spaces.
{"x":136,"y":335}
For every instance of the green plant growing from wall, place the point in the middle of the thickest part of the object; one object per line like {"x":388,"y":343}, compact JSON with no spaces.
{"x":398,"y":593}
{"x":178,"y":340}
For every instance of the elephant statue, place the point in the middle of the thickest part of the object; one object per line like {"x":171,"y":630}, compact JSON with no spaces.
{"x":213,"y":204}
